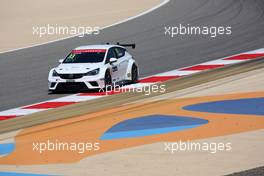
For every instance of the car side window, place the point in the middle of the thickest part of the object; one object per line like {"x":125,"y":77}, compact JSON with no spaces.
{"x":120,"y":52}
{"x":111,"y":54}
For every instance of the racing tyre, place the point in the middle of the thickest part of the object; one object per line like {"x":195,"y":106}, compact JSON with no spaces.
{"x":134,"y":72}
{"x":108,"y":80}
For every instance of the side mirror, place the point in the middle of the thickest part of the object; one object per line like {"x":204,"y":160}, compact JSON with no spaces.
{"x":113,"y":60}
{"x":61,"y":60}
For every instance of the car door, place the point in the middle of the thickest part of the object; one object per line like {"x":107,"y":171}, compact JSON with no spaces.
{"x":114,"y":67}
{"x":122,"y":61}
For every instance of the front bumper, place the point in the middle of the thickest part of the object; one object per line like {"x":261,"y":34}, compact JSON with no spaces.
{"x":88,"y":82}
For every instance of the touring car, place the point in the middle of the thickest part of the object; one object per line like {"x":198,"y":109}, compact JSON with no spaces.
{"x":93,"y":67}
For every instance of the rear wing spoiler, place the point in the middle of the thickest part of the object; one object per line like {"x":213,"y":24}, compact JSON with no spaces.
{"x":132,"y":45}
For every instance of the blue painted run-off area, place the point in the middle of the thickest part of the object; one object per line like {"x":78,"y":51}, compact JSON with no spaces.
{"x":250,"y":106}
{"x":151,"y":125}
{"x":19,"y":174}
{"x":7,"y":148}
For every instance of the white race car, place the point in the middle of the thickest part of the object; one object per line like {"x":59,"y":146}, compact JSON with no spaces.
{"x":94,"y":67}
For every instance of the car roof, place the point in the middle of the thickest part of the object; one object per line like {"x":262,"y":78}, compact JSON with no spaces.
{"x":104,"y":46}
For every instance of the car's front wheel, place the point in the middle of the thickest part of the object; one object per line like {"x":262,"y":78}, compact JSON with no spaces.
{"x":108,"y":80}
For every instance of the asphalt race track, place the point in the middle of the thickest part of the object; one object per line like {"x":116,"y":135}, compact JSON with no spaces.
{"x":24,"y":72}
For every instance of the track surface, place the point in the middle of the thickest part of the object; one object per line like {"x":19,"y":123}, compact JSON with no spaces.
{"x":252,"y":172}
{"x":24,"y":72}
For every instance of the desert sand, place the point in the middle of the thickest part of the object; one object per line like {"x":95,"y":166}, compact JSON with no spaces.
{"x":19,"y":17}
{"x":153,"y":160}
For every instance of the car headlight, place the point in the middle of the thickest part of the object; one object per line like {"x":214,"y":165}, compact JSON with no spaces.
{"x":54,"y":73}
{"x":92,"y":73}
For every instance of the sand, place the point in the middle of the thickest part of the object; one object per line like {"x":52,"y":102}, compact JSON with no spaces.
{"x":19,"y":17}
{"x":153,"y":160}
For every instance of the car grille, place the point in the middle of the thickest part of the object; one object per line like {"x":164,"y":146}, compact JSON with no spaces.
{"x":71,"y":76}
{"x":77,"y":86}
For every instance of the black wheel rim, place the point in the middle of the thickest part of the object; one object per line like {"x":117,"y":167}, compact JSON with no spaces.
{"x":108,"y":80}
{"x":134,"y":74}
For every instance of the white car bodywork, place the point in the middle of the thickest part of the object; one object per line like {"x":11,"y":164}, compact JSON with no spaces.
{"x":117,"y":61}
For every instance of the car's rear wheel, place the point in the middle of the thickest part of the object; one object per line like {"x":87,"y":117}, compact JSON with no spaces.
{"x":134,"y":74}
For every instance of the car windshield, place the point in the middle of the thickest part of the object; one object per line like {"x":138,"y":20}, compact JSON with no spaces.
{"x":86,"y":56}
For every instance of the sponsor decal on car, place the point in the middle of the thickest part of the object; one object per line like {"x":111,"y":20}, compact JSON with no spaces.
{"x":89,"y":51}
